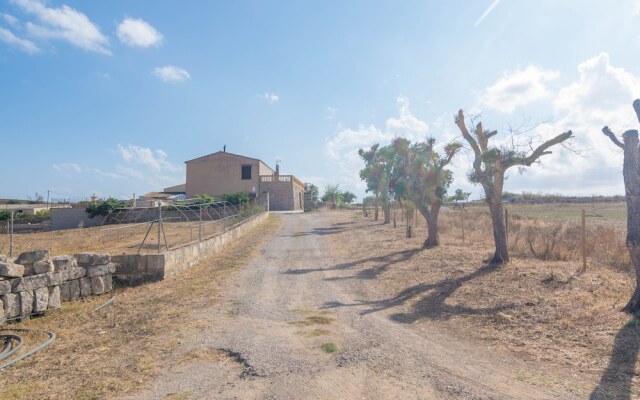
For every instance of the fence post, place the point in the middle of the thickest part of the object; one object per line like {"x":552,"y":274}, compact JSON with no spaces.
{"x":11,"y":236}
{"x":159,"y":224}
{"x":199,"y":223}
{"x":462,"y":221}
{"x":506,"y":225}
{"x":584,"y":241}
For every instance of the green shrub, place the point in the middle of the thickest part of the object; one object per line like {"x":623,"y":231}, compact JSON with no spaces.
{"x":104,"y":207}
{"x":236,"y":198}
{"x":43,"y":213}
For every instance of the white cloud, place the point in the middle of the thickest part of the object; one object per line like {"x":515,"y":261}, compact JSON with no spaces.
{"x":155,"y":160}
{"x":67,"y":167}
{"x":103,"y":174}
{"x":64,"y":23}
{"x":22,"y":44}
{"x":270,"y":97}
{"x":171,"y":74}
{"x":137,"y":32}
{"x":11,"y":20}
{"x":407,"y":125}
{"x":343,"y":146}
{"x":601,"y":95}
{"x":518,"y":88}
{"x":331,"y":113}
{"x":486,"y":12}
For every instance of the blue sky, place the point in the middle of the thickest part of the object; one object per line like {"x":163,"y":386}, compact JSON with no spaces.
{"x":112,"y":97}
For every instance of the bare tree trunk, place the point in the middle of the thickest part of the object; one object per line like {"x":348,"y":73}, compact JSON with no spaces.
{"x":386,"y":209}
{"x":501,"y":254}
{"x":375,"y":211}
{"x":631,"y":173}
{"x":431,"y":216}
{"x":394,"y":217}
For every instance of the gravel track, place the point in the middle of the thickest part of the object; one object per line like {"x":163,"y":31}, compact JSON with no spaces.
{"x":283,"y":306}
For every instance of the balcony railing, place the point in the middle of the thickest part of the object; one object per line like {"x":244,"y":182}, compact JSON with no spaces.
{"x":281,"y":178}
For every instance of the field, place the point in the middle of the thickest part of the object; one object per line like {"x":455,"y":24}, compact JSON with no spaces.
{"x":564,"y":323}
{"x":541,"y":306}
{"x":117,"y":239}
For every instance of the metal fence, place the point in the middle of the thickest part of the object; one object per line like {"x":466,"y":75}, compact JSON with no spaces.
{"x":135,"y":230}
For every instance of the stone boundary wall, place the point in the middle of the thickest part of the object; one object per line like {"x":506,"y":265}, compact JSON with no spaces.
{"x":35,"y":283}
{"x":134,"y":269}
{"x":71,"y":218}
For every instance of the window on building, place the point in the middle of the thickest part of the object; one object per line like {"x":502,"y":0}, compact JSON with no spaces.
{"x":246,"y":172}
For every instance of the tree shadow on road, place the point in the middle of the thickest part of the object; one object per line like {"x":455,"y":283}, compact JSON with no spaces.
{"x":384,"y":262}
{"x":432,"y":305}
{"x":330,"y":230}
{"x":616,"y":380}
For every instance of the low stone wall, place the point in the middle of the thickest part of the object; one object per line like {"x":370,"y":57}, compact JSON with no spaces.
{"x":134,"y":269}
{"x":34,"y":283}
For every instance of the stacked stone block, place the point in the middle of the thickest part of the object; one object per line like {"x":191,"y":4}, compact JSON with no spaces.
{"x":34,"y":282}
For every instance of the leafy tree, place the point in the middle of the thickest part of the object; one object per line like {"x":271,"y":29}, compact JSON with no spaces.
{"x":314,"y":192}
{"x":348,"y":197}
{"x":489,"y":167}
{"x":105,"y":207}
{"x":376,"y":173}
{"x":419,"y":175}
{"x":5,"y":215}
{"x":461,"y":195}
{"x":332,"y":194}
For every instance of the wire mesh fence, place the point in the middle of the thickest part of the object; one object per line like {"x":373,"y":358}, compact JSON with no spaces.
{"x":549,"y":231}
{"x":134,"y":230}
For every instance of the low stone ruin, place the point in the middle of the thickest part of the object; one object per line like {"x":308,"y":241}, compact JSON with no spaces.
{"x":34,"y":282}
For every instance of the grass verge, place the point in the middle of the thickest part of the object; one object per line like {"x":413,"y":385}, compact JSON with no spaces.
{"x":118,"y":350}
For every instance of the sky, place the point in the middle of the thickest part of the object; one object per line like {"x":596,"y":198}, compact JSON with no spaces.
{"x":111,"y":98}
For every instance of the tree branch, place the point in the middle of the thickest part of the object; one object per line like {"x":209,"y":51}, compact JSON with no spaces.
{"x":612,"y":136}
{"x":538,"y":152}
{"x":459,"y":119}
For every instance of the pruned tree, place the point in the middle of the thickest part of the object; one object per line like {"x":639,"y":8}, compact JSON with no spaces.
{"x":631,"y":175}
{"x":420,"y":176}
{"x":332,"y":194}
{"x":490,"y":164}
{"x":461,"y":195}
{"x":314,"y":193}
{"x":376,"y":174}
{"x":348,"y":197}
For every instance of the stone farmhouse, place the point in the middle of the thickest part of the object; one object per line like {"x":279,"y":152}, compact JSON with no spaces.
{"x":221,"y":172}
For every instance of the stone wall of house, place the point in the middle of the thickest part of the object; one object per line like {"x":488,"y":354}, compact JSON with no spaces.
{"x":34,"y":282}
{"x":281,"y":196}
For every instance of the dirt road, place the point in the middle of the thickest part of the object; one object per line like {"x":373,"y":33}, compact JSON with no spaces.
{"x":266,"y":342}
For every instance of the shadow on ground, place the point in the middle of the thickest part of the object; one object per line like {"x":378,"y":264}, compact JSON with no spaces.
{"x":333,"y":229}
{"x":616,"y":380}
{"x":432,"y":305}
{"x":384,"y":262}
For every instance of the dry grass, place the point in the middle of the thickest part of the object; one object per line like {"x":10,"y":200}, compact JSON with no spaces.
{"x":555,"y":236}
{"x":114,"y":239}
{"x":121,"y":348}
{"x":541,"y":309}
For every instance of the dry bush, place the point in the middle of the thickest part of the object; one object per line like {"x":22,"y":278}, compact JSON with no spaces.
{"x":550,"y":240}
